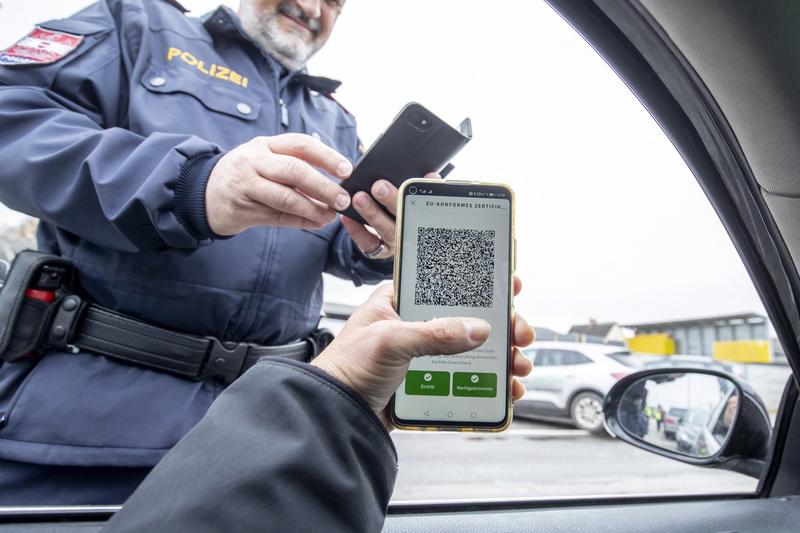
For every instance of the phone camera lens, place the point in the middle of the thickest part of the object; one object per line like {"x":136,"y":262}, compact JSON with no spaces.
{"x":419,"y":120}
{"x":412,"y":190}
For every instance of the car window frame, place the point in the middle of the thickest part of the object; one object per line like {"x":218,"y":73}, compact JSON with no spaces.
{"x":583,"y":359}
{"x":601,"y":26}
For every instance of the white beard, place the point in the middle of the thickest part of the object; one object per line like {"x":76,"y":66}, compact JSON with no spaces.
{"x":288,"y":47}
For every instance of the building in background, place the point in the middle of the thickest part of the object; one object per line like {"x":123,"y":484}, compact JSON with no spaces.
{"x":606,"y":332}
{"x":745,"y":337}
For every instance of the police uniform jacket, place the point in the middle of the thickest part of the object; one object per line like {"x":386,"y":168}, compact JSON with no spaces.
{"x":110,"y":147}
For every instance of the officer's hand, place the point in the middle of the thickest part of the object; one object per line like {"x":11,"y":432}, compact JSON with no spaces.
{"x":372,"y":353}
{"x":382,"y":224}
{"x":272,"y":181}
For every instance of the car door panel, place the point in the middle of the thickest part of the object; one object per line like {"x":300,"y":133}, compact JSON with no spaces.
{"x":774,"y":515}
{"x":612,"y":515}
{"x":548,"y":381}
{"x":740,"y":515}
{"x":546,"y":385}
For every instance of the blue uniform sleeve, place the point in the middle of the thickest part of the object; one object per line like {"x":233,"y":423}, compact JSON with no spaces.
{"x":190,"y":196}
{"x":285,"y":448}
{"x":68,"y":159}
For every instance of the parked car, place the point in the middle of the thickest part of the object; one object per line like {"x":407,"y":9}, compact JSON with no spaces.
{"x":690,"y":431}
{"x":702,"y":433}
{"x":570,"y":381}
{"x":673,"y":421}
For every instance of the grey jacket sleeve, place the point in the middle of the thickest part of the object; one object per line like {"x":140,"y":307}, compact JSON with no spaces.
{"x":285,"y":448}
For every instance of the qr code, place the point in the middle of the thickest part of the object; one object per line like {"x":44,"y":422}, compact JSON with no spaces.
{"x":455,"y":267}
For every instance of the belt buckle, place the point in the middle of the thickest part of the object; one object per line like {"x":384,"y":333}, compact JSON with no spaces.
{"x":319,"y":339}
{"x":224,"y":360}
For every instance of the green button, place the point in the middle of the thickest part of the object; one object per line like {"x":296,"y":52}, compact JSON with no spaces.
{"x":474,"y":384}
{"x":426,"y":383}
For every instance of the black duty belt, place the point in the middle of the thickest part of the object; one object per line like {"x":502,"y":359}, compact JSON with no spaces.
{"x":89,"y":327}
{"x":40,"y":310}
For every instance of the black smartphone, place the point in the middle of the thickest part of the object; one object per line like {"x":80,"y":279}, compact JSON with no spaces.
{"x":416,"y":143}
{"x":455,"y":257}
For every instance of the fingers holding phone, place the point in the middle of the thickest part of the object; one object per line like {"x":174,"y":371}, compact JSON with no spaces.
{"x":276,"y":181}
{"x":372,"y":352}
{"x":379,"y":243}
{"x":383,"y":237}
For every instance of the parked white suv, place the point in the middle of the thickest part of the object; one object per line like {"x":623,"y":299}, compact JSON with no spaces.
{"x":570,"y":380}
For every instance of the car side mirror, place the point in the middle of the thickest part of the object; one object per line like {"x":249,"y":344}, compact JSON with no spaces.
{"x":698,"y":416}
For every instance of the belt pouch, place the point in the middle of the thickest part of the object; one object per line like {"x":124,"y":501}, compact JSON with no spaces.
{"x":35,"y":285}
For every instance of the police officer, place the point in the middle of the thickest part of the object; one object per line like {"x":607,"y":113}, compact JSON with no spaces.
{"x":188,"y":169}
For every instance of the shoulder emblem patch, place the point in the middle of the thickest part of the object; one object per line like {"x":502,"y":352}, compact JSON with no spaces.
{"x":40,"y":47}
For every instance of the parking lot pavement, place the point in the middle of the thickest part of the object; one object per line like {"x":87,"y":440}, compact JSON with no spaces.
{"x":533,"y":459}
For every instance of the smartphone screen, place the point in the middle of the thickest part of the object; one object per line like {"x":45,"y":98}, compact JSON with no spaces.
{"x":456,"y":260}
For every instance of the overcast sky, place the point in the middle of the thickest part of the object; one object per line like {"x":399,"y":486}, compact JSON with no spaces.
{"x":611,"y":224}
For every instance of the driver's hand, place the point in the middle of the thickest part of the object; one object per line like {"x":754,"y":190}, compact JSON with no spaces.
{"x":275,"y":181}
{"x":372,"y":353}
